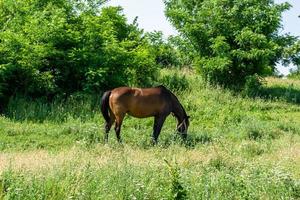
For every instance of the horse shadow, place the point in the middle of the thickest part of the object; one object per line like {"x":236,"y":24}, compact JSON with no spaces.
{"x":190,"y":142}
{"x":289,"y":94}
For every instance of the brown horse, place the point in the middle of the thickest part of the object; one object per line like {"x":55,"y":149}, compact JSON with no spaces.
{"x":157,"y":102}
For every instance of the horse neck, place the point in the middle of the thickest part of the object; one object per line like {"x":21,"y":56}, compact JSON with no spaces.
{"x":178,"y":110}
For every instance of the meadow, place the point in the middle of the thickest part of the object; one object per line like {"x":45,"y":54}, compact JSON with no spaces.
{"x":238,"y":147}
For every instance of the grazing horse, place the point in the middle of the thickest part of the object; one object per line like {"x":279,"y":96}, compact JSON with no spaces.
{"x":157,"y":102}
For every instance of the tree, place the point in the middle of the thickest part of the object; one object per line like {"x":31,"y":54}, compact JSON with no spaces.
{"x":185,"y":53}
{"x":171,"y":52}
{"x":292,"y":55}
{"x":165,"y":54}
{"x":233,"y":39}
{"x":63,"y":46}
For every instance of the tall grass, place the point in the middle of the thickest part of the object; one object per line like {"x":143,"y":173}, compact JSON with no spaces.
{"x":76,"y":106}
{"x":237,"y":148}
{"x":216,"y":114}
{"x":120,"y":178}
{"x":282,"y":89}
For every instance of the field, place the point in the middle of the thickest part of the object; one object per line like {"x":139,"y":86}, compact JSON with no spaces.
{"x":238,"y":147}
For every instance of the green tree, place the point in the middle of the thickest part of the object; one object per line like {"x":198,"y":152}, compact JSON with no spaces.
{"x":292,"y":55}
{"x":171,"y":52}
{"x":233,"y":39}
{"x":185,"y":53}
{"x":62,"y":46}
{"x":165,"y":54}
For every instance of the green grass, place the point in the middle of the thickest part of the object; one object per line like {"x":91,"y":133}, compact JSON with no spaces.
{"x":238,"y":148}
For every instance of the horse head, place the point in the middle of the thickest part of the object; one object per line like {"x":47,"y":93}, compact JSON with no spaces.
{"x":183,"y":126}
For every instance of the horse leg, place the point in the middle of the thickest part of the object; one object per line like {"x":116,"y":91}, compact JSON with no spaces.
{"x":158,"y":123}
{"x":119,"y":121}
{"x":108,"y":125}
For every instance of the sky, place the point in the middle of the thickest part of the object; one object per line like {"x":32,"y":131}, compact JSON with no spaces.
{"x":150,"y":14}
{"x":151,"y":17}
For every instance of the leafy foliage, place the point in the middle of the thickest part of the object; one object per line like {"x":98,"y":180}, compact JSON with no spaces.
{"x":233,"y":39}
{"x":253,"y":86}
{"x":174,"y":81}
{"x":294,"y":54}
{"x":171,"y":52}
{"x":60,"y":47}
{"x":164,"y":53}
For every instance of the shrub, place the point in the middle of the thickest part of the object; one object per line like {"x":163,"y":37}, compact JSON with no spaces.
{"x":253,"y":86}
{"x":174,"y":82}
{"x":232,"y":39}
{"x":61,"y":47}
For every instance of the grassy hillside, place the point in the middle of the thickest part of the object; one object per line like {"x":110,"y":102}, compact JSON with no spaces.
{"x":238,"y":148}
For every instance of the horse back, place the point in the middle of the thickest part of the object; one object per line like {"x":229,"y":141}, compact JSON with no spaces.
{"x":140,"y":102}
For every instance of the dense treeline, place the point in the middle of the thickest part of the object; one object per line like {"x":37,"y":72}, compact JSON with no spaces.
{"x":58,"y":47}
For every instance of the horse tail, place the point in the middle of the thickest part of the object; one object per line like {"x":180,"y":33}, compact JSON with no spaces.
{"x":105,"y":105}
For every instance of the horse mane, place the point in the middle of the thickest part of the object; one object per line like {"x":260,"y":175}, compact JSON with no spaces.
{"x":173,"y":97}
{"x":162,"y":86}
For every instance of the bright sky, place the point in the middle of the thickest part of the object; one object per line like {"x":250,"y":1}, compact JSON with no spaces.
{"x":150,"y":14}
{"x":151,"y":17}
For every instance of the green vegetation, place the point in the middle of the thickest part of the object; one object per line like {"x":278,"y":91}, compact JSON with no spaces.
{"x":233,"y":39}
{"x":294,"y":75}
{"x":173,"y":52}
{"x":51,"y":48}
{"x":57,"y":58}
{"x":238,"y":148}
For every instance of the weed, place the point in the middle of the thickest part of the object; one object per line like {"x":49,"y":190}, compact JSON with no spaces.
{"x":177,"y":189}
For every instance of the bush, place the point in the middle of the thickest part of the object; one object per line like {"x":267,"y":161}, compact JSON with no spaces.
{"x":174,"y":82}
{"x":61,"y":47}
{"x":253,"y":86}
